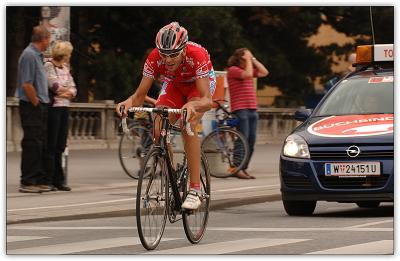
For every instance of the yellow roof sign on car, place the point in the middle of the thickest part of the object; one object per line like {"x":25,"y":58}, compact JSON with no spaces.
{"x":379,"y":53}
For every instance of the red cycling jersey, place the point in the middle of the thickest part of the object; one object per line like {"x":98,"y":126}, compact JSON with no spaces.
{"x":179,"y":87}
{"x":196,"y":65}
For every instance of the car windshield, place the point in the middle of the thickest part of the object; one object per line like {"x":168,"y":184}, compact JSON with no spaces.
{"x":365,"y":95}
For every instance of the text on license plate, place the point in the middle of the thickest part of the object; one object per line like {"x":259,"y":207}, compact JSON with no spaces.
{"x":348,"y":169}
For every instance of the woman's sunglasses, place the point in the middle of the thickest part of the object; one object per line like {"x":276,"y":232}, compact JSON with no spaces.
{"x":171,"y":55}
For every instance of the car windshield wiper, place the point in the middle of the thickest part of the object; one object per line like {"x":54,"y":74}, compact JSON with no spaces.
{"x":328,"y":115}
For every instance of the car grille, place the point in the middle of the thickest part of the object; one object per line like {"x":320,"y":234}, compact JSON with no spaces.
{"x":353,"y":183}
{"x":340,"y":153}
{"x":299,"y":182}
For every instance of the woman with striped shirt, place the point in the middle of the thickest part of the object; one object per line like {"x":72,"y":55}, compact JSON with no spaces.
{"x":242,"y":67}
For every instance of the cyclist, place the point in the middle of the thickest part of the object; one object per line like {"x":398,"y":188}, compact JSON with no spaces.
{"x":188,"y":83}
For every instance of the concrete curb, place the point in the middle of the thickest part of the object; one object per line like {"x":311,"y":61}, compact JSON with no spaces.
{"x":215,"y":205}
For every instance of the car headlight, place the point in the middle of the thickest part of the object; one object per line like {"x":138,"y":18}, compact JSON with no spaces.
{"x":295,"y":146}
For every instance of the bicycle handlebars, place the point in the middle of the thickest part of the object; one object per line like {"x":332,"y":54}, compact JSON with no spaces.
{"x":158,"y":111}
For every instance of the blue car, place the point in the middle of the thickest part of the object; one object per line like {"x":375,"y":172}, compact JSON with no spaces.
{"x":343,"y":150}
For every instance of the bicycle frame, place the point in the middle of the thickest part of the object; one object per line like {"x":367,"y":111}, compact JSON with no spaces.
{"x":166,"y":126}
{"x":230,"y":120}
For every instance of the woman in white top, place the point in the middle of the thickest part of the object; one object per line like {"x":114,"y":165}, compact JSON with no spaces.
{"x":62,"y":87}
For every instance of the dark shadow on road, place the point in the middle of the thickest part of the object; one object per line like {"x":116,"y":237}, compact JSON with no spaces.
{"x":356,"y":212}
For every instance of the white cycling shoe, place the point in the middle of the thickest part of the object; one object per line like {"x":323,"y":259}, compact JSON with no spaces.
{"x":192,"y":200}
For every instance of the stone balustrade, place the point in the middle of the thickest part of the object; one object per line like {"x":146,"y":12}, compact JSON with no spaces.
{"x":95,"y":125}
{"x":275,"y":124}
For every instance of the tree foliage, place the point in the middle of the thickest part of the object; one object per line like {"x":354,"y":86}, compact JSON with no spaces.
{"x":356,"y":22}
{"x":110,"y":42}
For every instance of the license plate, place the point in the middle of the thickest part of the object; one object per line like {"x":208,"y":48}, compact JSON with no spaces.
{"x":353,"y":169}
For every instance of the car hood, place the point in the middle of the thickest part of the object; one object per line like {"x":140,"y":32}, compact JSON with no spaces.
{"x":344,"y":129}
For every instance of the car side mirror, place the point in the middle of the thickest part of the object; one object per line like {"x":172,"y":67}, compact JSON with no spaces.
{"x":302,"y":115}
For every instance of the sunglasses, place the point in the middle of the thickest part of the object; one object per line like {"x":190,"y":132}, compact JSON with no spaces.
{"x":171,"y":55}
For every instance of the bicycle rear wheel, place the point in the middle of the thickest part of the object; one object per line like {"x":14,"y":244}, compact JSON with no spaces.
{"x":195,"y":222}
{"x":152,"y":199}
{"x":226,"y":150}
{"x":133,"y":147}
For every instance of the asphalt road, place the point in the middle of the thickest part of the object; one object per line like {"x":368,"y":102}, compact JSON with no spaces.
{"x":256,"y":229}
{"x":100,"y":187}
{"x":102,"y":167}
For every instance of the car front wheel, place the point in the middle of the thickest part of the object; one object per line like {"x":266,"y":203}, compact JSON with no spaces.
{"x":299,"y":208}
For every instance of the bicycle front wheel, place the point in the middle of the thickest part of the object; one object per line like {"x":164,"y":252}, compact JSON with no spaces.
{"x":195,"y":221}
{"x":133,"y":147}
{"x":152,"y":199}
{"x":227,"y":150}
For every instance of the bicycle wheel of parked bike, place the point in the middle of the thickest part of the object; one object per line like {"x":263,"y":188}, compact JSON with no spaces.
{"x":152,"y":199}
{"x":133,"y":147}
{"x":195,"y":222}
{"x":226,"y":150}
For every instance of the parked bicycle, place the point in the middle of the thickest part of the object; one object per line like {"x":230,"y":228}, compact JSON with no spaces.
{"x":135,"y":143}
{"x":226,"y":144}
{"x":162,"y":187}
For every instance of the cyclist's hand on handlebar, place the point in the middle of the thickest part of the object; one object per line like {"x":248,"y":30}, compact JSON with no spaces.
{"x":189,"y":115}
{"x":122,"y":110}
{"x":122,"y":107}
{"x":190,"y":112}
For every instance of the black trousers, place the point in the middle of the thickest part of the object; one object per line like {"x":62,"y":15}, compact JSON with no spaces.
{"x":57,"y":141}
{"x":34,"y":143}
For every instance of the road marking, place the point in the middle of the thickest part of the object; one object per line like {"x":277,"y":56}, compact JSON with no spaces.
{"x":373,"y":223}
{"x":69,"y":248}
{"x":70,"y":228}
{"x":297,"y":229}
{"x":227,"y":246}
{"x":11,"y":239}
{"x":74,"y":205}
{"x":129,"y":199}
{"x":376,"y":247}
{"x":233,"y":229}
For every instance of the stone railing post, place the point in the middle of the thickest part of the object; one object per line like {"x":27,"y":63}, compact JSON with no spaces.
{"x":274,"y":126}
{"x":109,"y":119}
{"x":9,"y":132}
{"x":14,"y":130}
